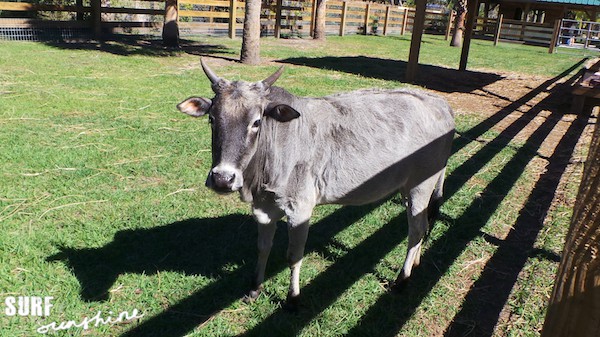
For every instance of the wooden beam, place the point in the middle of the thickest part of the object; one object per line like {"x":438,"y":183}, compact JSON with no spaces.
{"x":343,"y":18}
{"x":232,"y":18}
{"x":367,"y":11}
{"x":498,"y":29}
{"x":386,"y":22}
{"x":97,"y":18}
{"x":278,"y":19}
{"x":471,"y":16}
{"x":415,"y":41}
{"x":404,"y":21}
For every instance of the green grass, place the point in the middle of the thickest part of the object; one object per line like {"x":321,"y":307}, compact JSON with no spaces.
{"x":102,"y":204}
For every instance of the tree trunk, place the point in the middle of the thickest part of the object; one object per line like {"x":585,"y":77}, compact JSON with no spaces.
{"x":459,"y":23}
{"x":251,"y":38}
{"x":170,"y":33}
{"x":320,"y":14}
{"x":574,"y":308}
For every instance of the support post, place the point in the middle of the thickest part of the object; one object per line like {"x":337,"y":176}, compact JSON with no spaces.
{"x":367,"y":10}
{"x":313,"y":17}
{"x":232,"y":18}
{"x":498,"y":29}
{"x":404,"y":21}
{"x":79,"y":15}
{"x":386,"y":21}
{"x":415,"y":41}
{"x":96,"y":7}
{"x":343,"y":18}
{"x":278,"y":19}
{"x":471,"y":15}
{"x":555,"y":34}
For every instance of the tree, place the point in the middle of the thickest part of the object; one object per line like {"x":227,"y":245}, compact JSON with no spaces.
{"x":170,"y":33}
{"x":250,"y":53}
{"x":460,"y":6}
{"x":320,"y":15}
{"x":573,"y":308}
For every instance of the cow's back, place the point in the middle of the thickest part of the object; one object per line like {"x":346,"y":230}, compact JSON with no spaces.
{"x":372,"y":143}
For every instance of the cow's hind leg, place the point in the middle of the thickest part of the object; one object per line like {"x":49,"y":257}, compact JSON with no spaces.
{"x":418,"y":223}
{"x":298,"y":225}
{"x":267,"y":218}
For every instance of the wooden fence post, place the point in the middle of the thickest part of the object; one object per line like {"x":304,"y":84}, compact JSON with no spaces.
{"x":555,"y":34}
{"x":450,"y":23}
{"x":278,"y":19}
{"x":343,"y":19}
{"x":79,"y":15}
{"x":96,"y":7}
{"x":367,"y":10}
{"x":386,"y":21}
{"x":232,"y":18}
{"x":313,"y":14}
{"x":498,"y":29}
{"x":404,"y":21}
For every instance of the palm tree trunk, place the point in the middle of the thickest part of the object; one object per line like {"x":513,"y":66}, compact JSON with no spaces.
{"x":250,"y":53}
{"x":170,"y":33}
{"x":459,"y":23}
{"x":320,"y":14}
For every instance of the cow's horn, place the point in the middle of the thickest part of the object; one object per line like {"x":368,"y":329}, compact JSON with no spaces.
{"x":214,"y":79}
{"x":271,"y":79}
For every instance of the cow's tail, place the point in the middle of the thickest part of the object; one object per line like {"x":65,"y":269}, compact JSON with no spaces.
{"x":437,"y":199}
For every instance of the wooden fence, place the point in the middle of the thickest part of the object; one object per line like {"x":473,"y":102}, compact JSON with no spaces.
{"x":279,"y":18}
{"x":514,"y":30}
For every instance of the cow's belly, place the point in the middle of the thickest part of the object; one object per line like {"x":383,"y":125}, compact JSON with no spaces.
{"x":352,"y":189}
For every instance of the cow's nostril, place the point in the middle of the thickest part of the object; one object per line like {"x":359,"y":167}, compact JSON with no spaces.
{"x":223,"y":180}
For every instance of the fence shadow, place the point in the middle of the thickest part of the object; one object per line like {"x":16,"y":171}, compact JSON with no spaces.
{"x":131,"y":44}
{"x":432,"y":77}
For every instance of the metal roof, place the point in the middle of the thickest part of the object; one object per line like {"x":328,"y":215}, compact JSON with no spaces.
{"x":587,"y":3}
{"x":573,"y":2}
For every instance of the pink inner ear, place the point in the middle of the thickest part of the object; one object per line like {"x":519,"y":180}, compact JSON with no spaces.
{"x":193,"y":106}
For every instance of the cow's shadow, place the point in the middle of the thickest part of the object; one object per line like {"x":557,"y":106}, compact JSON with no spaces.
{"x":209,"y":246}
{"x":221,"y":248}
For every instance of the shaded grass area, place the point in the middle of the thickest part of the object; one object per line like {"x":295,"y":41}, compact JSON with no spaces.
{"x":103,"y":205}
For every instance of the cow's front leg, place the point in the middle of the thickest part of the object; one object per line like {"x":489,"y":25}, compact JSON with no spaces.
{"x":298,"y":233}
{"x":266,"y":218}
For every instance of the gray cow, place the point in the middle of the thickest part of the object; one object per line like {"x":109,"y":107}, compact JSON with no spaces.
{"x":286,"y":154}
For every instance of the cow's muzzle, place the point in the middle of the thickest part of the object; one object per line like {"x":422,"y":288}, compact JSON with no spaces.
{"x":224,"y":179}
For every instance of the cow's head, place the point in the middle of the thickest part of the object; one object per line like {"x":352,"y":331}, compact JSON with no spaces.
{"x":235,"y":114}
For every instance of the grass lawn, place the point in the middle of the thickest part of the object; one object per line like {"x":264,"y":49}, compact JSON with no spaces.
{"x":103,"y":204}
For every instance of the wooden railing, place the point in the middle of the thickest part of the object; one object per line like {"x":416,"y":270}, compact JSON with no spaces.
{"x":278,"y":18}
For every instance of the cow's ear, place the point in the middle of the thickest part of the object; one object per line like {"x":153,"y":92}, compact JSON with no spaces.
{"x":281,"y":112}
{"x":195,"y":106}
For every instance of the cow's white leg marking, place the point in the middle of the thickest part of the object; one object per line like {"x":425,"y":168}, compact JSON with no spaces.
{"x":298,"y":233}
{"x":298,"y":224}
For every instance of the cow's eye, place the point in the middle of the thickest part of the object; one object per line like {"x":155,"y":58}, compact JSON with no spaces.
{"x":211,"y":119}
{"x":256,"y":123}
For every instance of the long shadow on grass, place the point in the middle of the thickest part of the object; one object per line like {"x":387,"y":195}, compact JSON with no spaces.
{"x":129,"y":45}
{"x":432,"y":77}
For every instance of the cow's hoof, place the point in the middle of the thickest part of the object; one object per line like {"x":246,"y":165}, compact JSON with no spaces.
{"x":251,"y":296}
{"x":399,"y":285}
{"x":292,"y":304}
